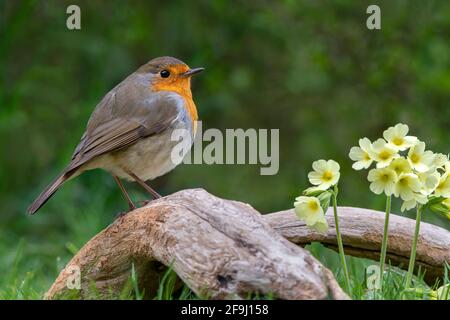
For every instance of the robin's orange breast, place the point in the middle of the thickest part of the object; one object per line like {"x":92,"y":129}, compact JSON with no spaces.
{"x":181,"y":87}
{"x":192,"y":110}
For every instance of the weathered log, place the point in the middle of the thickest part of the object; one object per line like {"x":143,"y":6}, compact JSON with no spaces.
{"x":362,"y":233}
{"x":219,"y":248}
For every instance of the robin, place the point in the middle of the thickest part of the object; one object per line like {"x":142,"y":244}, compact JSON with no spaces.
{"x":129,"y":132}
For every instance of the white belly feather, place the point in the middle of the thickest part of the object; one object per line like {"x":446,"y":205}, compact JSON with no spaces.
{"x":148,"y":158}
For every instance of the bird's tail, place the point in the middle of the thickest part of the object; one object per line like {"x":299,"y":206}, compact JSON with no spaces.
{"x":49,"y":191}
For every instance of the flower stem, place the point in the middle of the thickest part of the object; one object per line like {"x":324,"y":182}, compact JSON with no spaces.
{"x":412,"y":257}
{"x":385,"y":239}
{"x":339,"y":240}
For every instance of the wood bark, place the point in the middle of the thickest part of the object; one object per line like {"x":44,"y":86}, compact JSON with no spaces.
{"x":226,"y":249}
{"x":220,"y":248}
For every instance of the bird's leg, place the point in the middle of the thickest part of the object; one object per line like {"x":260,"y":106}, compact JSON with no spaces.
{"x":154,"y":194}
{"x":125,"y":193}
{"x":143,"y":203}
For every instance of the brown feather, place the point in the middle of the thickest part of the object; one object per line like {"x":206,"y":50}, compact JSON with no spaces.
{"x":48,"y":192}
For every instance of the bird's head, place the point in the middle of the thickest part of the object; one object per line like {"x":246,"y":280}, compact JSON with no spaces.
{"x":169,"y":74}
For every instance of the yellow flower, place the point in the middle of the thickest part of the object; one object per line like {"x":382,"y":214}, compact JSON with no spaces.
{"x":325,"y":174}
{"x":443,"y":188}
{"x":420,"y":159}
{"x":443,"y":292}
{"x":412,"y":203}
{"x":397,"y":137}
{"x":312,"y":191}
{"x":400,"y":165}
{"x":309,"y":210}
{"x":440,"y":160}
{"x":407,"y":184}
{"x":321,"y":225}
{"x":361,"y":154}
{"x":429,"y":181}
{"x":382,"y":180}
{"x":383,"y":153}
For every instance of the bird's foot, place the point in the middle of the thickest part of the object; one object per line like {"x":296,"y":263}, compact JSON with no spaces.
{"x":143,"y":203}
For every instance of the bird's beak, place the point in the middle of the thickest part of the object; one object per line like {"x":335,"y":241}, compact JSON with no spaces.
{"x":193,"y":71}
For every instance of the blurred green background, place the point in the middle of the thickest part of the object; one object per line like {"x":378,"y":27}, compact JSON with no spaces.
{"x":310,"y":68}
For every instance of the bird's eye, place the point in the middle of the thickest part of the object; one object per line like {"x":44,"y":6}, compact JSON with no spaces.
{"x":164,"y":74}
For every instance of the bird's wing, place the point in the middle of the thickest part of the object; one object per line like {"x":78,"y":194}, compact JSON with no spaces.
{"x":122,"y":127}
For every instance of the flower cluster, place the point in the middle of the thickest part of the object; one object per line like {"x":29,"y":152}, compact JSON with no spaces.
{"x":312,"y":207}
{"x":405,"y":169}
